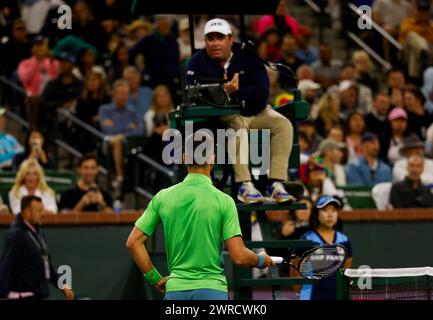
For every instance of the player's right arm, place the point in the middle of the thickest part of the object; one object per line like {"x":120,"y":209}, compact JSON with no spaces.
{"x":242,"y":256}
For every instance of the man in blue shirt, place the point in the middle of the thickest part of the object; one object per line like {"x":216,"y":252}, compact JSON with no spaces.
{"x":9,"y":146}
{"x":117,"y":121}
{"x":368,"y":170}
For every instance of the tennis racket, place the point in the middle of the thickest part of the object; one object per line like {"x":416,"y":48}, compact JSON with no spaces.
{"x":319,"y":262}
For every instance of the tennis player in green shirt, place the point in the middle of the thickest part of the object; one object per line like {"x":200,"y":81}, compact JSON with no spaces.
{"x":197,"y":218}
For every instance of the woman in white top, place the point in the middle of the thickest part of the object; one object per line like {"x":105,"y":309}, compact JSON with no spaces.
{"x":30,"y":180}
{"x":162,"y":102}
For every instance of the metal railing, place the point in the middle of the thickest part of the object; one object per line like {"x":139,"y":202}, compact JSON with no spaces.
{"x":375,"y":26}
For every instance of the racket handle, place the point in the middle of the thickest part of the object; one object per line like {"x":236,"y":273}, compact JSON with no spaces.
{"x":277,"y":260}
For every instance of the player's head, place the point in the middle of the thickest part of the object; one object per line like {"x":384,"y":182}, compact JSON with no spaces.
{"x":199,"y":151}
{"x":324,"y":213}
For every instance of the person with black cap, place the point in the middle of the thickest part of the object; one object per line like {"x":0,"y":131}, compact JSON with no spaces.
{"x":416,"y":34}
{"x":34,"y":73}
{"x":323,"y":223}
{"x":246,"y":81}
{"x":368,"y":170}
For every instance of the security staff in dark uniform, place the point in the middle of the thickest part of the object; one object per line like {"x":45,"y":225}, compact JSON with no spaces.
{"x":25,"y":264}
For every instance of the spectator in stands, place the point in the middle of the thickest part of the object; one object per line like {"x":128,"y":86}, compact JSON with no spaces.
{"x":305,"y":51}
{"x":271,"y":42}
{"x":9,"y":145}
{"x":337,"y":134}
{"x":389,"y":14}
{"x":330,"y":155}
{"x":351,"y":99}
{"x":323,"y":223}
{"x":34,"y":73}
{"x":411,"y":192}
{"x":119,"y":62}
{"x":183,"y":40}
{"x":376,"y":120}
{"x":304,"y":146}
{"x":25,"y":265}
{"x":368,"y":170}
{"x":392,"y":140}
{"x":364,"y":93}
{"x":416,"y":34}
{"x":161,"y":55}
{"x":309,"y":90}
{"x":64,"y":91}
{"x":35,"y":149}
{"x":308,"y":127}
{"x":281,"y":20}
{"x":136,"y":31}
{"x":162,"y":104}
{"x":155,"y":145}
{"x":4,"y":209}
{"x":289,"y":46}
{"x":355,"y":127}
{"x":397,"y":98}
{"x":429,"y":142}
{"x":118,"y":120}
{"x":215,"y":62}
{"x":395,"y":79}
{"x":30,"y":180}
{"x":86,"y":27}
{"x":427,"y":89}
{"x":328,"y":113}
{"x":326,"y":69}
{"x":277,"y":95}
{"x":412,"y":145}
{"x":16,"y":49}
{"x":86,"y":195}
{"x":85,"y":63}
{"x":305,"y":72}
{"x":140,"y":97}
{"x":95,"y":94}
{"x":365,"y":70}
{"x":10,"y":10}
{"x":419,"y":118}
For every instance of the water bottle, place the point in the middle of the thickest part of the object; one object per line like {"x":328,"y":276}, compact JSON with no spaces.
{"x":117,"y":206}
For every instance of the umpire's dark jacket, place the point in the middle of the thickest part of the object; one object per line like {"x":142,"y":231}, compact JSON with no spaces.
{"x":22,"y":267}
{"x":253,"y":78}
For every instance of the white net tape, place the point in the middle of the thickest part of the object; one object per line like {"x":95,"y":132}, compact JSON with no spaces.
{"x":388,"y":273}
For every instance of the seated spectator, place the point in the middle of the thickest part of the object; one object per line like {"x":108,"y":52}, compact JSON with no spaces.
{"x":270,"y":41}
{"x":427,"y":89}
{"x":34,"y":73}
{"x":309,"y":90}
{"x":305,"y":51}
{"x":62,"y":92}
{"x":309,"y":129}
{"x":392,"y":141}
{"x":416,"y":35}
{"x":35,"y":149}
{"x":119,"y":62}
{"x":376,"y":120}
{"x":328,"y":113}
{"x":162,"y":103}
{"x":411,"y":192}
{"x":117,"y":121}
{"x":365,"y":69}
{"x":337,"y":134}
{"x":289,"y":46}
{"x":86,"y":195}
{"x":282,"y":20}
{"x":3,"y":208}
{"x":355,"y":127}
{"x":305,"y":72}
{"x":30,"y":180}
{"x":412,"y":145}
{"x":397,"y":98}
{"x":183,"y":40}
{"x":85,"y":63}
{"x":395,"y":79}
{"x":155,"y":145}
{"x":429,"y":142}
{"x":330,"y":155}
{"x":419,"y":118}
{"x":351,"y":99}
{"x":368,"y":170}
{"x":9,"y":146}
{"x":304,"y":146}
{"x":140,"y":97}
{"x":95,"y":94}
{"x":326,"y":69}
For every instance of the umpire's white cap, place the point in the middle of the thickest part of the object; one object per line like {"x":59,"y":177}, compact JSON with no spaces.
{"x":217,"y":25}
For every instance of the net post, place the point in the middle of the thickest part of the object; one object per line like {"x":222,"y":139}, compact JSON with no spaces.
{"x":342,"y":285}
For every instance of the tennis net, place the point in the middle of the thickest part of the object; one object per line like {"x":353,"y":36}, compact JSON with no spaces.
{"x":386,"y":284}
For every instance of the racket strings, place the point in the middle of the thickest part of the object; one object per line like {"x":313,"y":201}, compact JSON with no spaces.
{"x":322,"y":262}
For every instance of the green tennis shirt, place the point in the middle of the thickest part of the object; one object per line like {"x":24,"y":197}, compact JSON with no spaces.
{"x":196,"y":218}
